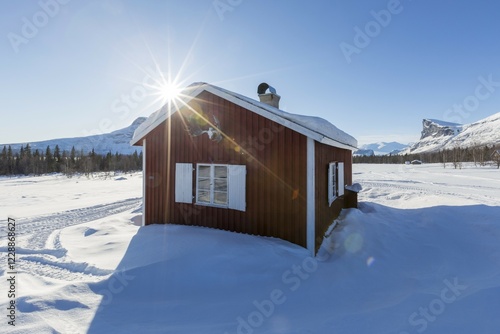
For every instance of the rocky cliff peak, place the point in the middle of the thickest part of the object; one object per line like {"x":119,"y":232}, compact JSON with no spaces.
{"x":435,"y":128}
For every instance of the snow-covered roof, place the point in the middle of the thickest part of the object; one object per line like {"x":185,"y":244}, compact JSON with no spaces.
{"x":316,"y":128}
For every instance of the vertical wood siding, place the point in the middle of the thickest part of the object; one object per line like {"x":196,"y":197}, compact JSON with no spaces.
{"x":276,"y":171}
{"x":325,"y":214}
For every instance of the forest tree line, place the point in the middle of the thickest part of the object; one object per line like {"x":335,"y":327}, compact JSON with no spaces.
{"x":37,"y":162}
{"x":479,"y":155}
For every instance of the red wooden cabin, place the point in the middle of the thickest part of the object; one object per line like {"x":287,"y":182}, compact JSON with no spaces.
{"x":222,"y":160}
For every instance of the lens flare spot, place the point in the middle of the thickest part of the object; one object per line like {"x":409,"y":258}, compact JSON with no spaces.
{"x":370,"y":261}
{"x":295,"y":194}
{"x":353,"y":243}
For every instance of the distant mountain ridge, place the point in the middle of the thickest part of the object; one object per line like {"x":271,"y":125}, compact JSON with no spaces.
{"x":380,"y":148}
{"x":439,"y":135}
{"x":116,"y":141}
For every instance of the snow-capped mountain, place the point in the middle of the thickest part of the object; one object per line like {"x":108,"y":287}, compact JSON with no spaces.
{"x":361,"y":152}
{"x":438,"y":135}
{"x":381,"y":148}
{"x":116,"y":141}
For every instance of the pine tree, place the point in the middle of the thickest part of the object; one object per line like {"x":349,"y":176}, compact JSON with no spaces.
{"x":10,"y":161}
{"x":70,"y":162}
{"x":27,"y":160}
{"x":49,"y":160}
{"x":57,"y":159}
{"x":72,"y":156}
{"x":17,"y":163}
{"x":3,"y":161}
{"x":36,"y":162}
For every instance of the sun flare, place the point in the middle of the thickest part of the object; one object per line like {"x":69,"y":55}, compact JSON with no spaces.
{"x":169,"y":91}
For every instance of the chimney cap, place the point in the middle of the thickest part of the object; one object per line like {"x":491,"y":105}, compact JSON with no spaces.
{"x":267,"y":95}
{"x":263,"y":87}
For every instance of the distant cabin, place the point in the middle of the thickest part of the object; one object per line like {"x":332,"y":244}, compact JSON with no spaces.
{"x":222,"y":160}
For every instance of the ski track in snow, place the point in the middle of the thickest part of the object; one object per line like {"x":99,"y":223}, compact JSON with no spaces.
{"x":41,"y":227}
{"x":407,"y":180}
{"x":60,"y":270}
{"x":433,"y":189}
{"x":43,"y":254}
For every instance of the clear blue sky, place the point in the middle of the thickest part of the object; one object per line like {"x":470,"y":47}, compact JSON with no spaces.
{"x":71,"y":75}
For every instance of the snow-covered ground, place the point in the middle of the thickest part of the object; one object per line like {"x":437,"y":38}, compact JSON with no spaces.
{"x":420,"y":255}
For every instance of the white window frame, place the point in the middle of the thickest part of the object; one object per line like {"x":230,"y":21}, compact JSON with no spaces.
{"x":335,"y":181}
{"x":212,"y":185}
{"x":332,"y":182}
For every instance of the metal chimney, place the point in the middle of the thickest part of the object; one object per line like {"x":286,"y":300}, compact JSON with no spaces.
{"x":267,"y":94}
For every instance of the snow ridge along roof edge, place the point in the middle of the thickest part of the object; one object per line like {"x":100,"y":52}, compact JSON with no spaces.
{"x":313,"y":127}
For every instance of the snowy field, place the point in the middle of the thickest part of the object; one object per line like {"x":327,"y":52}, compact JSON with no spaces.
{"x":420,"y":255}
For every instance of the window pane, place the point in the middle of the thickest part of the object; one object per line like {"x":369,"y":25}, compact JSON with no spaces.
{"x":221,"y":185}
{"x":203,"y":171}
{"x":203,"y":196}
{"x":220,"y":172}
{"x":220,"y":198}
{"x":203,"y":184}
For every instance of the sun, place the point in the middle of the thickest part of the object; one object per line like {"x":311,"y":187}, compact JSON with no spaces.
{"x":164,"y":85}
{"x":168,"y":91}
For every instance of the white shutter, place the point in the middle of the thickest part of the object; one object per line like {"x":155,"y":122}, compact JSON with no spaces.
{"x":340,"y":175}
{"x":331,"y":182}
{"x":237,"y":187}
{"x":183,"y":183}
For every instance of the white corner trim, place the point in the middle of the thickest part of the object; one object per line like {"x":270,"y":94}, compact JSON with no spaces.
{"x":311,"y":200}
{"x":144,"y":182}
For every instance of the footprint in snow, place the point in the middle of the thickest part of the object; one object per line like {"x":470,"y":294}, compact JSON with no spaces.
{"x":89,"y":231}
